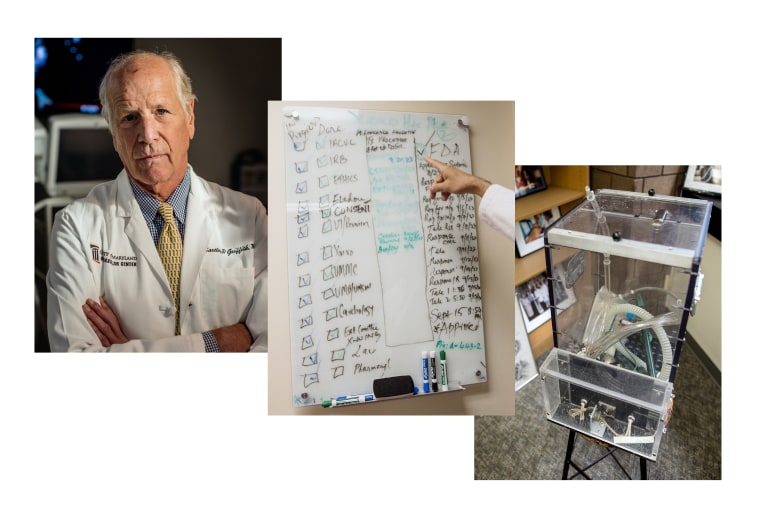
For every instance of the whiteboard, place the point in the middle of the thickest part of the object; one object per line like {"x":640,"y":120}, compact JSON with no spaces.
{"x":377,"y":271}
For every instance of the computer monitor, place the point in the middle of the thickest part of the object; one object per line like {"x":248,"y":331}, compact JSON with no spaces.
{"x":81,"y":154}
{"x":40,"y":151}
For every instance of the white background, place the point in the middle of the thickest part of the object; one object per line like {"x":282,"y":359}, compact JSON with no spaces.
{"x":646,"y":82}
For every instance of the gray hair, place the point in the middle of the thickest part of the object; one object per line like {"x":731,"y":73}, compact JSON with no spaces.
{"x":181,"y":80}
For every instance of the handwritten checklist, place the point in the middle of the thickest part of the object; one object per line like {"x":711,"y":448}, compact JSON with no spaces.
{"x":378,"y":271}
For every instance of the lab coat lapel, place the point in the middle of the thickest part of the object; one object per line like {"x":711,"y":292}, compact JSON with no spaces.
{"x":136,"y":229}
{"x":197,"y":235}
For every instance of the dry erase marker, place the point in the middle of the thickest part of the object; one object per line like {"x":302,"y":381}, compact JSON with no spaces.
{"x":444,"y":373}
{"x":431,"y":365}
{"x":348,"y":400}
{"x":425,"y":373}
{"x":362,"y":397}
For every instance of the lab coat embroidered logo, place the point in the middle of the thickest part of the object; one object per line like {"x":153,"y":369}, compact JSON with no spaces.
{"x":95,"y":252}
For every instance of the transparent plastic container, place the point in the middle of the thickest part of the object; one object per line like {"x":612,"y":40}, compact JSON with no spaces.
{"x":624,"y":272}
{"x":611,"y":404}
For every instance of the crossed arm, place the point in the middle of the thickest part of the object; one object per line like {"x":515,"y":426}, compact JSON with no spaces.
{"x":105,"y":323}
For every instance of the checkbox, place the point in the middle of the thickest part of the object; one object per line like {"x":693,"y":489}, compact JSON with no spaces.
{"x":338,"y":371}
{"x":323,"y":161}
{"x":303,"y":231}
{"x":324,"y":181}
{"x":302,"y":167}
{"x":327,"y":294}
{"x":309,"y":360}
{"x":303,"y":206}
{"x":338,"y":355}
{"x":333,"y":334}
{"x":327,"y":252}
{"x":302,"y":258}
{"x":307,"y":321}
{"x":303,"y":218}
{"x":304,"y":301}
{"x":331,"y":314}
{"x":310,"y":378}
{"x":324,"y":201}
{"x":327,"y":273}
{"x":327,"y":226}
{"x":304,"y":280}
{"x":326,"y":213}
{"x":301,"y":187}
{"x":307,"y":342}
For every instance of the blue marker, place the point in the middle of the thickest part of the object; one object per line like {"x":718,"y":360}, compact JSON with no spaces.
{"x":425,"y":373}
{"x":362,"y":397}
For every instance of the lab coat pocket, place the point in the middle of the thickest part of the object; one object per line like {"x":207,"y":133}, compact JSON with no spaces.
{"x":227,"y":294}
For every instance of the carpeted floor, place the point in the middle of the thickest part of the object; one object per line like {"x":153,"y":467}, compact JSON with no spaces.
{"x":528,"y":446}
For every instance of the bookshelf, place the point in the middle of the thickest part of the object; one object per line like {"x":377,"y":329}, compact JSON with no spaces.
{"x":565,"y":189}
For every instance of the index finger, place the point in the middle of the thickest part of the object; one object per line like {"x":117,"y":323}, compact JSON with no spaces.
{"x":104,"y":304}
{"x":435,"y":163}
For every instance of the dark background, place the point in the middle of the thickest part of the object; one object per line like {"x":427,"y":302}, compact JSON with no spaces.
{"x":233,"y":79}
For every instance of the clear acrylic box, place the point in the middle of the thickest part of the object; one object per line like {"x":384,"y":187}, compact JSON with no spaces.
{"x":608,"y":403}
{"x":624,"y":272}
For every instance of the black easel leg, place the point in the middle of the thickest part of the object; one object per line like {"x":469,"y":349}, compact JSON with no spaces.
{"x":568,"y":454}
{"x":610,"y":452}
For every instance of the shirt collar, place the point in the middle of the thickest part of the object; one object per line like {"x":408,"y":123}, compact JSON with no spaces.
{"x":178,"y":199}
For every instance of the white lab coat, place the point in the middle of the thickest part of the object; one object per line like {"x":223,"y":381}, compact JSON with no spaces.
{"x":497,"y":209}
{"x":101,"y":246}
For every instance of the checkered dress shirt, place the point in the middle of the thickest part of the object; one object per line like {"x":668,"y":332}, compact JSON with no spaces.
{"x":178,"y":200}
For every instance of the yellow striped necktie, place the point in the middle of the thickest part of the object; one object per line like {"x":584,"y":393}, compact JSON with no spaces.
{"x":170,"y":252}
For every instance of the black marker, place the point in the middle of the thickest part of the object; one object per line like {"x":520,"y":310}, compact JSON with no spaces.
{"x":433,"y":379}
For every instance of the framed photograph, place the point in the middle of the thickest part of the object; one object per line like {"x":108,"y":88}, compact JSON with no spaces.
{"x":564,"y":296}
{"x":530,"y":234}
{"x":704,"y":178}
{"x":525,"y":364}
{"x":529,"y":179}
{"x":533,"y":298}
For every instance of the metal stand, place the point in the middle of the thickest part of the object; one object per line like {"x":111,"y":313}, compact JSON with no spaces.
{"x":582,"y":471}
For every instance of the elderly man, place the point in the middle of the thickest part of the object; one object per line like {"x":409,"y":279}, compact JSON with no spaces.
{"x":158,"y":259}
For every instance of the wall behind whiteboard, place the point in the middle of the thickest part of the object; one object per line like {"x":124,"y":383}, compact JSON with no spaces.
{"x":492,"y":152}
